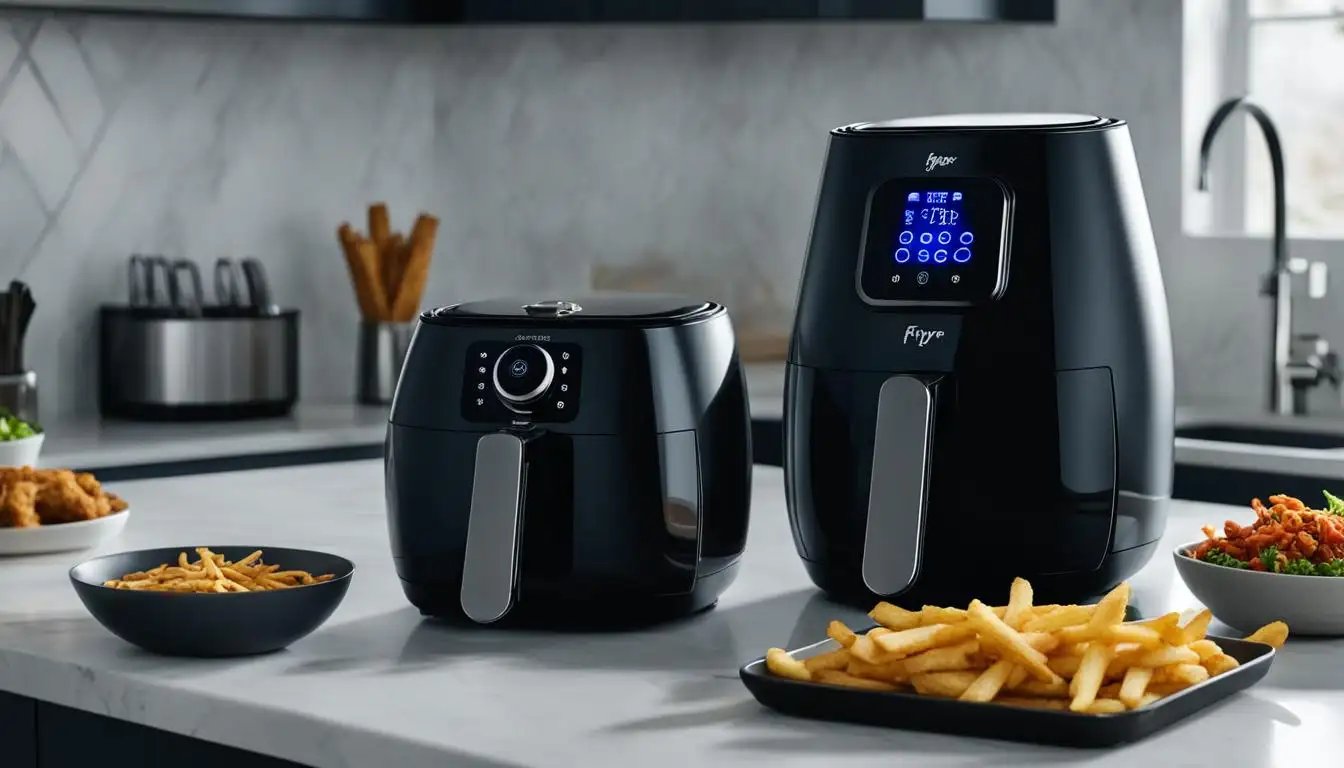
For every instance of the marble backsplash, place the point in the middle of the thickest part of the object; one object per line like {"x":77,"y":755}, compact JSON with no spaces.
{"x":683,"y":157}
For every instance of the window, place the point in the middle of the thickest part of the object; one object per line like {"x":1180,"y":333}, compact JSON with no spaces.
{"x":1288,"y":55}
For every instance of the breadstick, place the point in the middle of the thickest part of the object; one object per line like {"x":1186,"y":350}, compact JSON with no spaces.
{"x":361,"y":258}
{"x":393,"y":262}
{"x":380,"y":229}
{"x":416,"y":272}
{"x":367,"y":253}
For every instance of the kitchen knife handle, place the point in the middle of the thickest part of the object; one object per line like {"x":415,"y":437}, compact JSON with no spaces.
{"x":258,"y":289}
{"x":227,"y":285}
{"x":898,"y":491}
{"x":137,"y":279}
{"x":494,"y":528}
{"x":178,"y":292}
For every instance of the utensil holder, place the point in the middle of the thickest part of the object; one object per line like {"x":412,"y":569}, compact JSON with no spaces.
{"x":382,"y":349}
{"x":158,"y":365}
{"x":18,"y":393}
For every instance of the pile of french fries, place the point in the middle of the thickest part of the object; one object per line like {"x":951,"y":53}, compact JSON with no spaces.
{"x":212,"y":572}
{"x":1082,"y":658}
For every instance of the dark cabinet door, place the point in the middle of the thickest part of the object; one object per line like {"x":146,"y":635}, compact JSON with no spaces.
{"x":18,"y":731}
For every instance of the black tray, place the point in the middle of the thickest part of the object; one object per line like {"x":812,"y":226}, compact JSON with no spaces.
{"x":998,"y":721}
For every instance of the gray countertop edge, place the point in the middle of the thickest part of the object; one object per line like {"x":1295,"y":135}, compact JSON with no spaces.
{"x":254,"y":727}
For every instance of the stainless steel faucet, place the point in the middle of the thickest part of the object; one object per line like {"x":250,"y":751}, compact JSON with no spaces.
{"x":1313,"y":363}
{"x":1278,"y":283}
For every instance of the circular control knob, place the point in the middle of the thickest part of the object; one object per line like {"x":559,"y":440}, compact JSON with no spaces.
{"x":522,"y":375}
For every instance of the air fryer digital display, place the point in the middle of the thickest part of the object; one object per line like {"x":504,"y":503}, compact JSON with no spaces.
{"x":935,"y":240}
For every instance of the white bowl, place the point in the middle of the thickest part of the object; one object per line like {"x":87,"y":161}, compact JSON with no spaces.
{"x":1248,"y":600}
{"x":61,"y":537}
{"x":22,"y":452}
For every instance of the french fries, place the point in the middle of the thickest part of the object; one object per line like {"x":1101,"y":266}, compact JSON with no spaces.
{"x":1019,"y":604}
{"x":841,"y":634}
{"x":1091,"y":671}
{"x":987,"y":685}
{"x":912,"y":641}
{"x":833,"y":660}
{"x":1063,"y":616}
{"x":213,"y":573}
{"x":836,"y":677}
{"x":780,"y":662}
{"x":1009,"y":642}
{"x":1274,"y":634}
{"x":947,"y":659}
{"x":1081,"y":658}
{"x":1135,"y":685}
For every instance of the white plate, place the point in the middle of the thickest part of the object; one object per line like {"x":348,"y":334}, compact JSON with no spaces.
{"x":62,"y":537}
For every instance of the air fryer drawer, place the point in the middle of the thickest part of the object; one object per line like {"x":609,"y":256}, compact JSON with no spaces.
{"x":625,"y":518}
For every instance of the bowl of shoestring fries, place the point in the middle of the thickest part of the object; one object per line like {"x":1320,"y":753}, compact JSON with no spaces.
{"x":221,"y":601}
{"x":1066,"y":674}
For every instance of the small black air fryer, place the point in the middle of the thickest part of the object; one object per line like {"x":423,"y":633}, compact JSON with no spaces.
{"x":551,"y":458}
{"x":980,"y":376}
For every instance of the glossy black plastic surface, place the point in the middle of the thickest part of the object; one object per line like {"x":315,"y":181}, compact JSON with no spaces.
{"x":642,"y":494}
{"x":1052,"y":440}
{"x":997,"y":721}
{"x":608,"y":308}
{"x":232,"y":624}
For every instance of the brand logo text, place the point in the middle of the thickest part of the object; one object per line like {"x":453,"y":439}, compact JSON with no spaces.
{"x":938,"y":161}
{"x":921,"y":336}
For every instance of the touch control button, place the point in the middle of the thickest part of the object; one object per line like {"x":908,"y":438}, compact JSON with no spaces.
{"x":523,"y":374}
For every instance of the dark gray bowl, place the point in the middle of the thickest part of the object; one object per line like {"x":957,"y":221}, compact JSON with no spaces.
{"x":228,"y":624}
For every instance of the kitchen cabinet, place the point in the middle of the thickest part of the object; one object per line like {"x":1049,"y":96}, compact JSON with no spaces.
{"x":36,"y":734}
{"x":578,"y":11}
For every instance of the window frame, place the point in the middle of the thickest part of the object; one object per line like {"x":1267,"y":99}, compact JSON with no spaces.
{"x":1225,"y":217}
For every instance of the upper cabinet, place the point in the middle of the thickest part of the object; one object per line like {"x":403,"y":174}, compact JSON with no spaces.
{"x":575,"y":11}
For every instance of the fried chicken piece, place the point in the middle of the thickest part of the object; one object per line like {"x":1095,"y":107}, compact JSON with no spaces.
{"x":88,"y":483}
{"x":10,"y":475}
{"x":60,"y":499}
{"x":31,"y":496}
{"x":18,"y":505}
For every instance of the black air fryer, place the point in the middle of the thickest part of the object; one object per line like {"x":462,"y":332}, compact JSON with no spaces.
{"x":980,"y":377}
{"x":555,"y":458}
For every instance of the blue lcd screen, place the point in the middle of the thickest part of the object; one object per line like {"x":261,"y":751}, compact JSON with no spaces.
{"x":934,"y":230}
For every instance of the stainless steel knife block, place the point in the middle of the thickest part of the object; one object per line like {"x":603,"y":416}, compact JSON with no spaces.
{"x":156,"y":364}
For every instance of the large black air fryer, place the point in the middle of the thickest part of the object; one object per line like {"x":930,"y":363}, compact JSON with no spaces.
{"x":980,"y":377}
{"x":585,"y":458}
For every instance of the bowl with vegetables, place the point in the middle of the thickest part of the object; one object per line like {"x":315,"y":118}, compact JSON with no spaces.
{"x":1285,"y":565}
{"x":20,"y":441}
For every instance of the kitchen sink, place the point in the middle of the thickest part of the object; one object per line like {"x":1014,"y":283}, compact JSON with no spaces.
{"x":1253,"y":435}
{"x":1237,"y":459}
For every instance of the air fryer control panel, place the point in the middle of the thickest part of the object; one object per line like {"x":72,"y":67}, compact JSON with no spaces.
{"x":521,"y":381}
{"x":935,"y":241}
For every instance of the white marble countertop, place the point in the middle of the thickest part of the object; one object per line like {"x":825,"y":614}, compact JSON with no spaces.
{"x":92,"y":443}
{"x":377,"y":685}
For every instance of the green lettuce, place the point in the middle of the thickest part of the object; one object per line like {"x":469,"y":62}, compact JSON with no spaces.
{"x":1333,"y":504}
{"x":1219,"y":557}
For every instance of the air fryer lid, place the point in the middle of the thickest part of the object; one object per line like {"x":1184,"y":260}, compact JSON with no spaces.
{"x":609,"y":308}
{"x":1020,"y":122}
